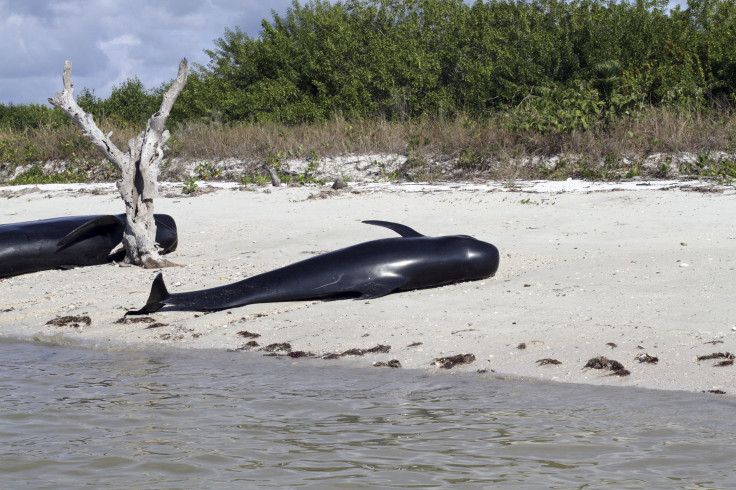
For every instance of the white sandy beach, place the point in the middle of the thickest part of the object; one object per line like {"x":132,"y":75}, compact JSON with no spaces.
{"x":587,"y":270}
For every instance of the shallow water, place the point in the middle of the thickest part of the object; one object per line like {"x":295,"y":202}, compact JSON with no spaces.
{"x":72,"y":417}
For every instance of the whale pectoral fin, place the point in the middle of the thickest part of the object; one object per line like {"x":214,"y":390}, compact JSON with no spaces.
{"x":117,"y":255}
{"x":402,"y":230}
{"x":100,"y":225}
{"x":376,"y":289}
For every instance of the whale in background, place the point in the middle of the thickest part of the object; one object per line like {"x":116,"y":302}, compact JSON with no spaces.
{"x":73,"y":241}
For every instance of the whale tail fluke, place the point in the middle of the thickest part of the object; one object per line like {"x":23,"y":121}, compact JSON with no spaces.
{"x":156,"y":299}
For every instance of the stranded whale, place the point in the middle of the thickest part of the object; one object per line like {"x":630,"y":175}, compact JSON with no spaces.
{"x":64,"y":243}
{"x":367,"y":270}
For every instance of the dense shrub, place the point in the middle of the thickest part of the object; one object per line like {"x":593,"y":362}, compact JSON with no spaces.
{"x":544,"y":65}
{"x":398,"y":59}
{"x":31,"y":116}
{"x":129,"y":104}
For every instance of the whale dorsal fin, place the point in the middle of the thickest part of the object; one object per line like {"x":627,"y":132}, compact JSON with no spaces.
{"x":402,"y":230}
{"x":102,"y":224}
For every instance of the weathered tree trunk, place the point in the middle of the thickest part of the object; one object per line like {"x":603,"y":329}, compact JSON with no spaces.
{"x":139,"y":167}
{"x":275,"y":179}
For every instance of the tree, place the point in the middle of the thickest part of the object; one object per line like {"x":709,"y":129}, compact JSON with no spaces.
{"x":138,"y":167}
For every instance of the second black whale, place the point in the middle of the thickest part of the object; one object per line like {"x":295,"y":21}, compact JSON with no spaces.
{"x":71,"y":241}
{"x":367,"y":270}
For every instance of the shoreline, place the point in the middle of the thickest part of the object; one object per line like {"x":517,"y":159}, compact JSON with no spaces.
{"x":620,"y":270}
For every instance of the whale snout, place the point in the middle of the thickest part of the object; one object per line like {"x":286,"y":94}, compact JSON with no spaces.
{"x":483,"y":259}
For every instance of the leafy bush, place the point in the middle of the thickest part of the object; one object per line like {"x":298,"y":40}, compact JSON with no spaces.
{"x":31,"y":116}
{"x":129,"y":104}
{"x":36,"y":175}
{"x":560,"y":109}
{"x":398,"y":59}
{"x":548,"y":65}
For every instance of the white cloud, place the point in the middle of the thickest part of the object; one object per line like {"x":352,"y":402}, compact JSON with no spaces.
{"x":110,"y":41}
{"x":120,"y":58}
{"x":124,"y":41}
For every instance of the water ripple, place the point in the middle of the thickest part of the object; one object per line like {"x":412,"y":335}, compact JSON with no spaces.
{"x":72,"y":417}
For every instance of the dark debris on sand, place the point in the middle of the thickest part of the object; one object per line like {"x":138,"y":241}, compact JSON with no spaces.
{"x":278,"y":347}
{"x":135,"y":319}
{"x":379,"y":349}
{"x":126,"y":320}
{"x":157,"y":325}
{"x":78,"y":321}
{"x":716,"y":355}
{"x":727,"y":356}
{"x":284,"y":349}
{"x":247,"y":346}
{"x":548,"y":361}
{"x":393,"y":363}
{"x":300,"y":353}
{"x":452,"y":361}
{"x":647,"y":359}
{"x":601,"y":362}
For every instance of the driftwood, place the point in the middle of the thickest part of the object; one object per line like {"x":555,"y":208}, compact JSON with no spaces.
{"x":275,"y":179}
{"x":139,"y":167}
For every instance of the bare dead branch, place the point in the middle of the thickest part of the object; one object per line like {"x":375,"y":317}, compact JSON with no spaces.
{"x":64,"y":100}
{"x":139,"y":168}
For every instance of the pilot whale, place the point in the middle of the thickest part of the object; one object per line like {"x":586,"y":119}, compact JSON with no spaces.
{"x":73,"y":241}
{"x":367,"y":270}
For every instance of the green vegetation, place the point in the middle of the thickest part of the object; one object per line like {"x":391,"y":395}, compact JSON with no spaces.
{"x":190,"y":186}
{"x":553,"y":65}
{"x":36,"y":175}
{"x":207,"y":171}
{"x":705,"y":167}
{"x":496,"y":80}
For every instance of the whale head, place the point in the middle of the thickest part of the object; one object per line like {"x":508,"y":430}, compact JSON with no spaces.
{"x":480,"y":259}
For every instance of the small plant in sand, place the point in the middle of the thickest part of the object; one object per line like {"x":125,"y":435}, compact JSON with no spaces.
{"x":207,"y":171}
{"x":190,"y":186}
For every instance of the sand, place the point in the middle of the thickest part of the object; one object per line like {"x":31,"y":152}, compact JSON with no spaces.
{"x":623,"y":271}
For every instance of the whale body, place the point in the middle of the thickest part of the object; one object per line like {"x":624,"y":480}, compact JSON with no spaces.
{"x":73,"y":241}
{"x":367,"y":270}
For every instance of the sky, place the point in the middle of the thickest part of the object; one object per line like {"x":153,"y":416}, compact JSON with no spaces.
{"x":110,"y":41}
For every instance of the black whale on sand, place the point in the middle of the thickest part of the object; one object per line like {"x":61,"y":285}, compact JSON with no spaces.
{"x":73,"y":241}
{"x":367,"y":270}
